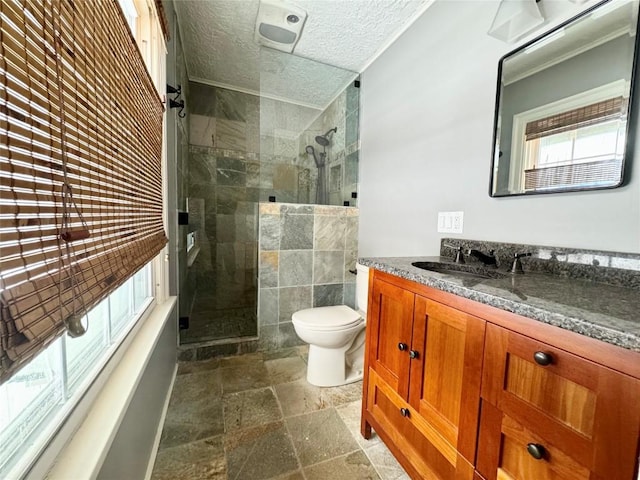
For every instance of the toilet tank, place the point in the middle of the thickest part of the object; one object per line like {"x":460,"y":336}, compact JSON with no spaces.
{"x":362,"y":287}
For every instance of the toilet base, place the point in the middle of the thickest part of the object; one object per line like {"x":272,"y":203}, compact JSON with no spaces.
{"x":327,"y":367}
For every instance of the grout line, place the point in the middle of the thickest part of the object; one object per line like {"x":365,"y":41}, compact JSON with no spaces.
{"x":340,"y":456}
{"x":243,"y":465}
{"x":190,"y":442}
{"x":286,"y":426}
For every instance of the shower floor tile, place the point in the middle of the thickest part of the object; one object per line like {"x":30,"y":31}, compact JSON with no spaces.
{"x":254,"y":416}
{"x":210,"y":324}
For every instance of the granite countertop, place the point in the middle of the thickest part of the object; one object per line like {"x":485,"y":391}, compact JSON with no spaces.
{"x":598,"y":310}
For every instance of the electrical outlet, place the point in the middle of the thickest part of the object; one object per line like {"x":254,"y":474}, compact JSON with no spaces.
{"x":457,"y":220}
{"x":442,"y":216}
{"x":450,"y":222}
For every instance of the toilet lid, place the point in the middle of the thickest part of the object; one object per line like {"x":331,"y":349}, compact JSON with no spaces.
{"x":327,"y":318}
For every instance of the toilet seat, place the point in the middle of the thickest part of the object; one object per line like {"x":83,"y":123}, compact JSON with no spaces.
{"x":333,"y":318}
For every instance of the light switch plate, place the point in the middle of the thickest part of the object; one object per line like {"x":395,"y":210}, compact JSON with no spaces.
{"x":450,"y":222}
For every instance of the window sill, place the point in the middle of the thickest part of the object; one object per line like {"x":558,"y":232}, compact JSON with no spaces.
{"x":83,"y":456}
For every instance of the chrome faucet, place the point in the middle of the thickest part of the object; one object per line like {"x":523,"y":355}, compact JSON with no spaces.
{"x":487,"y":259}
{"x":516,"y":266}
{"x":459,"y":253}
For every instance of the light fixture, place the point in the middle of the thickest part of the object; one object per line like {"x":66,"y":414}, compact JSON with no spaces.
{"x":514,"y":19}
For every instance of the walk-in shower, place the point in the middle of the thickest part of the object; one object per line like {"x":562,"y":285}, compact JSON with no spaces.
{"x":320,"y":158}
{"x":245,"y":150}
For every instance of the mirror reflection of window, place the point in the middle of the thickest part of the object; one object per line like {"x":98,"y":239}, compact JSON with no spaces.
{"x":578,"y":148}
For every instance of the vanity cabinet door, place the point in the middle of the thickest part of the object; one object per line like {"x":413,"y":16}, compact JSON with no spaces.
{"x":446,"y":373}
{"x":549,"y":414}
{"x":403,"y":430}
{"x":422,"y":383}
{"x":389,"y":334}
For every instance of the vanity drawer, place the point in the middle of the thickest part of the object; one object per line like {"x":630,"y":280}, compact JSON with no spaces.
{"x":412,"y":438}
{"x":505,"y":454}
{"x":566,"y":403}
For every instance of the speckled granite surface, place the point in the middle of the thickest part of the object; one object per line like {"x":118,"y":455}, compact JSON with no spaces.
{"x":605,"y":311}
{"x":613,"y":268}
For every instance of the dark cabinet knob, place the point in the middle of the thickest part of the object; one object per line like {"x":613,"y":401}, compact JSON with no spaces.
{"x":402,"y":346}
{"x":536,"y":451}
{"x":413,"y":354}
{"x":404,"y":412}
{"x":543,"y":358}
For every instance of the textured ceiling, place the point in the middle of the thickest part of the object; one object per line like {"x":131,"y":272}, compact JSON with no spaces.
{"x":218,"y":38}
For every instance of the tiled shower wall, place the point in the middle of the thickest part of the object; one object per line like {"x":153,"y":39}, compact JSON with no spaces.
{"x":234,"y":165}
{"x":223,"y":194}
{"x":242,"y":150}
{"x":306,"y":252}
{"x":342,"y":153}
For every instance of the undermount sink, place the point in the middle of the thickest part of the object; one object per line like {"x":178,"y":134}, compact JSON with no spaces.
{"x":460,"y":270}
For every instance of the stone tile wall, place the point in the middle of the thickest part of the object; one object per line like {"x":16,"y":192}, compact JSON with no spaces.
{"x":242,"y":150}
{"x":233,"y":166}
{"x":342,"y":153}
{"x":305,"y":254}
{"x":223,"y":185}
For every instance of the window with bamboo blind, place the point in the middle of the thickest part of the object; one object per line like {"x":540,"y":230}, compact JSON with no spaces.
{"x":599,"y":112}
{"x":579,"y":148}
{"x":80,"y":167}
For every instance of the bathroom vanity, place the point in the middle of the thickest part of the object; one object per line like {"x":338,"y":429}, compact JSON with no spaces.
{"x":477,"y":374}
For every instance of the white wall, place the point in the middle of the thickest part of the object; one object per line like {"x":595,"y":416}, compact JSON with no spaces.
{"x":426,"y":131}
{"x":135,"y":442}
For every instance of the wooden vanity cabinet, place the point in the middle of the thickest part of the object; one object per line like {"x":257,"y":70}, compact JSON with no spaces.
{"x":549,"y":414}
{"x":460,"y":390}
{"x":423,"y":378}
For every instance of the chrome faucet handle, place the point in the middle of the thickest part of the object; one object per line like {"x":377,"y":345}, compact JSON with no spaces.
{"x":459,"y":252}
{"x":516,"y":266}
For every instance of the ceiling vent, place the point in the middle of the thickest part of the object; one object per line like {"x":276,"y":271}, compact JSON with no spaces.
{"x":279,"y":25}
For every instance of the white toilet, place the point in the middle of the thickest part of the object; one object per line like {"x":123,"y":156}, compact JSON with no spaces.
{"x":336,"y":338}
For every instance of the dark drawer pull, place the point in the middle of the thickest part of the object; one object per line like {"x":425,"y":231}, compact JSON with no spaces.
{"x":536,"y":451}
{"x":404,"y":412}
{"x":402,"y":346}
{"x":413,"y":354}
{"x":543,"y":358}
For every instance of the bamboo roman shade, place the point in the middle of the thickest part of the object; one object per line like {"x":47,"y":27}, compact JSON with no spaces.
{"x":80,"y":167}
{"x":606,"y":110}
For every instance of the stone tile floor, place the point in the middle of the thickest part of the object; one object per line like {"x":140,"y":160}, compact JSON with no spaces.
{"x":254,"y":417}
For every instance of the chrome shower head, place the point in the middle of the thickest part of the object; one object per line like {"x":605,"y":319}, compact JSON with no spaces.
{"x":324,"y":139}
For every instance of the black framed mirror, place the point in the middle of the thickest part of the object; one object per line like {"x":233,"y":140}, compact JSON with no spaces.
{"x":563,"y":105}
